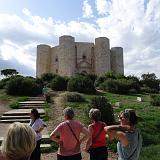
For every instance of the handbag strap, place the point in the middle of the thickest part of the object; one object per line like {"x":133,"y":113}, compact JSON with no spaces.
{"x":98,"y":134}
{"x":73,"y":132}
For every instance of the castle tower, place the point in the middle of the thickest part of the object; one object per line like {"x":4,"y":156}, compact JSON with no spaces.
{"x":102,"y":55}
{"x":117,"y":65}
{"x":67,"y":55}
{"x":43,"y":59}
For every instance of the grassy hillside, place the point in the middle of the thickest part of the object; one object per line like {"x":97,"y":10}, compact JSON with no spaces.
{"x":149,"y":123}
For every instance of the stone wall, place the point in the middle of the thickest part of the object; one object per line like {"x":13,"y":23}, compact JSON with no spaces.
{"x":117,"y":60}
{"x":71,"y":57}
{"x":102,"y":55}
{"x":43,"y":59}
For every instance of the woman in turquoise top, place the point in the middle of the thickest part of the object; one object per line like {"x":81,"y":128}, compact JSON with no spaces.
{"x":129,"y":138}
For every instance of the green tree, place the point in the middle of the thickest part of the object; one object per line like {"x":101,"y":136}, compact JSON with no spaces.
{"x":9,"y":72}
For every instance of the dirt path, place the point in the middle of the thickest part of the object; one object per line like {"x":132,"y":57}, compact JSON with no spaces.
{"x":3,"y":107}
{"x":56,"y":115}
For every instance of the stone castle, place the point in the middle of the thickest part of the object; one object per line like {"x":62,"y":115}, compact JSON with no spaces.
{"x":71,"y":57}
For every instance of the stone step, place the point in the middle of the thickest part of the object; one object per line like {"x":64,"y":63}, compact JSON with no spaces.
{"x":21,"y":112}
{"x":44,"y":147}
{"x":32,"y":102}
{"x":44,"y":138}
{"x":30,"y":106}
{"x":14,"y":120}
{"x":16,"y":117}
{"x":36,"y":99}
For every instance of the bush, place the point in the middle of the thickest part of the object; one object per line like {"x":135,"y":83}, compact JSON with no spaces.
{"x":120,"y":86}
{"x":48,"y":77}
{"x":74,"y":97}
{"x":101,"y":103}
{"x":22,"y":86}
{"x":81,"y":84}
{"x":59,"y":84}
{"x":155,"y":100}
{"x":150,"y":80}
{"x":14,"y":105}
{"x":99,"y":80}
{"x":3,"y":82}
{"x":148,"y":90}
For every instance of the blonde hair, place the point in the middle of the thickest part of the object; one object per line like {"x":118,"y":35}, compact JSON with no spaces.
{"x":19,"y":142}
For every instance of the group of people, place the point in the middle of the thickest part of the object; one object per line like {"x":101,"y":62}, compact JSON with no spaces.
{"x":22,"y":142}
{"x":67,"y":135}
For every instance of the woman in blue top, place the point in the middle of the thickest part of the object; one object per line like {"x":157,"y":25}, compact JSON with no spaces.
{"x":129,"y":138}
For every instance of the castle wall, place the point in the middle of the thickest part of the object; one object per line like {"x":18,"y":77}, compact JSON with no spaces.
{"x":67,"y":56}
{"x":71,"y":57}
{"x":43,"y":59}
{"x":117,"y":65}
{"x":54,"y":66}
{"x":102,"y":55}
{"x":84,"y":57}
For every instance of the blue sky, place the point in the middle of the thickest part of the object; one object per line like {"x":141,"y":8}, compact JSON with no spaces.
{"x":133,"y":25}
{"x":63,"y":10}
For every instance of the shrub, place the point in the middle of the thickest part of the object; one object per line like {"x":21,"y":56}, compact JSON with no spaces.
{"x":80,"y":84}
{"x":148,"y":90}
{"x":150,"y":80}
{"x":101,"y":103}
{"x":48,"y":77}
{"x":22,"y":86}
{"x":74,"y":97}
{"x":14,"y":105}
{"x":92,"y":77}
{"x":59,"y":84}
{"x":120,"y":86}
{"x":99,"y":80}
{"x":3,"y":82}
{"x":155,"y":100}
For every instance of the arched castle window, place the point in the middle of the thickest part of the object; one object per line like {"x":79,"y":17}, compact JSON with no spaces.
{"x":83,"y":56}
{"x":56,"y":60}
{"x":56,"y":70}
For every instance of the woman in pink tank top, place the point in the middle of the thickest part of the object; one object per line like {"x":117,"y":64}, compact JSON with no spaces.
{"x":69,"y":137}
{"x":96,"y":144}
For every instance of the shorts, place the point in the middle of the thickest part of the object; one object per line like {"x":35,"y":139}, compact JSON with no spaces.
{"x":99,"y":153}
{"x":73,"y":157}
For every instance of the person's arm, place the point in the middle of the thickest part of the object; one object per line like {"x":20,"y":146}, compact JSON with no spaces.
{"x":54,"y":136}
{"x":39,"y":130}
{"x":117,"y":128}
{"x":41,"y":126}
{"x":118,"y":135}
{"x":89,"y":140}
{"x":85,"y":134}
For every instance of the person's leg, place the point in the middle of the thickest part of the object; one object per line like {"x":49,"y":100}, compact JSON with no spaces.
{"x":38,"y":151}
{"x":33,"y":155}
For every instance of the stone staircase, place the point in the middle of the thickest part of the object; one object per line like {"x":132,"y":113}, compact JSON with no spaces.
{"x":22,"y":115}
{"x":19,"y":115}
{"x":45,"y":146}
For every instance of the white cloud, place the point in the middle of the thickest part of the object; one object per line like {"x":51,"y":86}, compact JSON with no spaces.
{"x":103,"y":6}
{"x":87,"y":9}
{"x":129,"y":24}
